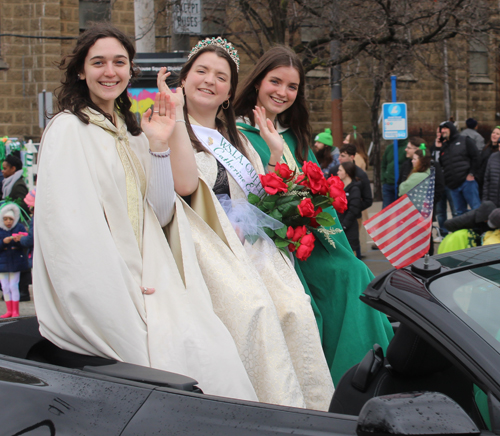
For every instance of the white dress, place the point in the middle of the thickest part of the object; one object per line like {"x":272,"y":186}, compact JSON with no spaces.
{"x":259,"y":297}
{"x":97,"y":240}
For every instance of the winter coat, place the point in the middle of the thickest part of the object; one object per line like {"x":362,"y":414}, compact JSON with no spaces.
{"x":474,"y":219}
{"x":491,"y":184}
{"x":413,"y":180}
{"x":349,"y":219}
{"x":12,"y":255}
{"x":486,"y":152}
{"x":366,"y":190}
{"x":475,"y":136}
{"x":387,"y":166}
{"x":458,"y":157}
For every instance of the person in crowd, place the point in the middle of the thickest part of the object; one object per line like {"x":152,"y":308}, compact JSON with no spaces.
{"x":348,"y":219}
{"x":458,"y":157}
{"x":361,"y":158}
{"x":27,"y":241}
{"x":472,"y":229}
{"x":14,"y":188}
{"x":13,"y":185}
{"x":490,"y":148}
{"x":421,"y":162}
{"x":274,"y":117}
{"x":491,"y":183}
{"x":388,"y":178}
{"x":476,"y":219}
{"x":471,"y":132}
{"x":326,"y":153}
{"x":12,"y":257}
{"x":445,"y":199}
{"x":254,"y":288}
{"x":348,"y":153}
{"x":106,"y":280}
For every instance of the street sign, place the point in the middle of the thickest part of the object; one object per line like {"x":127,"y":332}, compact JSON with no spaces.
{"x":394,"y":121}
{"x":187,"y":17}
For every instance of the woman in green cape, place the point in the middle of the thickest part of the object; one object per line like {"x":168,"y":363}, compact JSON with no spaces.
{"x":272,"y":110}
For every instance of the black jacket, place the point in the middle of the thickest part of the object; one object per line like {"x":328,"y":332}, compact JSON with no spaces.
{"x":366,"y":190}
{"x":484,"y":156}
{"x":491,"y":185}
{"x":474,"y":219}
{"x":349,"y":219}
{"x":458,"y":157}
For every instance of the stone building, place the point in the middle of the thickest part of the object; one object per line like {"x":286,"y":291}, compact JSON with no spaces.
{"x":35,"y":34}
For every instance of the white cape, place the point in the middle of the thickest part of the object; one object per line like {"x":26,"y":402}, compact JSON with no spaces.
{"x":88,"y":268}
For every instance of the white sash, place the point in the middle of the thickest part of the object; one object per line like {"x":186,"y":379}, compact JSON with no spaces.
{"x":233,"y":161}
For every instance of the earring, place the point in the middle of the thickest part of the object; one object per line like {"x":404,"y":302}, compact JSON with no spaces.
{"x":79,"y":76}
{"x":227,"y":106}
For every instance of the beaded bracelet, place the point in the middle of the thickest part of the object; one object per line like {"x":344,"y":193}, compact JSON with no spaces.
{"x":160,"y":154}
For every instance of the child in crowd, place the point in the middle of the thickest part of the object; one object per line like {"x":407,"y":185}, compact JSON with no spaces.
{"x":12,"y":257}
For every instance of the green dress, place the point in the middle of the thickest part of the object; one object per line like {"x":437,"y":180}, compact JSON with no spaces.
{"x":335,"y":278}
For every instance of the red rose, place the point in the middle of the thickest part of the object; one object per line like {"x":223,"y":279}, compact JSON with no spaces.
{"x":313,"y":222}
{"x":295,"y":234}
{"x":306,"y":208}
{"x":306,"y":246}
{"x":284,"y":171}
{"x":272,"y":183}
{"x":316,"y":179}
{"x":340,"y":203}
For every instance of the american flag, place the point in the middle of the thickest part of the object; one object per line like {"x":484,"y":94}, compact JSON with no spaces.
{"x":402,"y":230}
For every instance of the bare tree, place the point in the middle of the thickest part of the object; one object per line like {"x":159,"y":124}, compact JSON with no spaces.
{"x":381,"y":32}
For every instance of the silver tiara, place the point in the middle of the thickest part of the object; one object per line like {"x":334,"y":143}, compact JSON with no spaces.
{"x":219,"y":42}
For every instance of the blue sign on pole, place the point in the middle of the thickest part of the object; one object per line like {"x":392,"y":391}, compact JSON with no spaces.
{"x":395,"y":125}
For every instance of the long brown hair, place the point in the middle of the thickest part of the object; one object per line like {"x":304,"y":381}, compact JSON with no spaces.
{"x":424,"y":162}
{"x":73,"y":94}
{"x":226,"y":127}
{"x":296,"y":117}
{"x":357,"y":140}
{"x":324,"y":156}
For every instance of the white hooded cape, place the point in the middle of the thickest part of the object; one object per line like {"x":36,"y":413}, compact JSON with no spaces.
{"x":89,"y":265}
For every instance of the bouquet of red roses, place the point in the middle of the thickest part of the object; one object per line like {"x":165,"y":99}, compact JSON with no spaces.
{"x":297,"y":200}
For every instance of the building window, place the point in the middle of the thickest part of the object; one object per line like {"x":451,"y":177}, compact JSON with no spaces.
{"x":478,"y":59}
{"x":93,"y":11}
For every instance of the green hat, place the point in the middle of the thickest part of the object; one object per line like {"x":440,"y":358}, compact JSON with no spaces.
{"x":325,"y":137}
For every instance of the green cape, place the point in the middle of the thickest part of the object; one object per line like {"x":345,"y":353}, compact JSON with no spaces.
{"x":334,"y":279}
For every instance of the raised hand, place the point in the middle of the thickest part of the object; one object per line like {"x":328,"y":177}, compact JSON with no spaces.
{"x":158,"y":124}
{"x":269,"y":134}
{"x":177,"y":97}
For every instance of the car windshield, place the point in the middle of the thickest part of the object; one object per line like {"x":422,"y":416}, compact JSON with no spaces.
{"x":474,"y":296}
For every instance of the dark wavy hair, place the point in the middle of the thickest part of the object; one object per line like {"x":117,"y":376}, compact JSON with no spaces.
{"x":324,"y":156}
{"x":296,"y":117}
{"x":14,"y":161}
{"x":350,"y":169}
{"x":73,"y":94}
{"x":356,"y":139}
{"x":227,"y":125}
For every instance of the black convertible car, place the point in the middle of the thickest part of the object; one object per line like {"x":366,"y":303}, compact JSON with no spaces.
{"x":440,"y":375}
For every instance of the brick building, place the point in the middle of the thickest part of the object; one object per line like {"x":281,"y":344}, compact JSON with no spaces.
{"x":35,"y":34}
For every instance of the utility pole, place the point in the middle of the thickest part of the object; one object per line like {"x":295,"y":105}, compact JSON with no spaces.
{"x":336,"y":85}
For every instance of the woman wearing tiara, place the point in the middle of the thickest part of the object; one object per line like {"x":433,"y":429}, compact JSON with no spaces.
{"x":254,"y":288}
{"x":106,"y":282}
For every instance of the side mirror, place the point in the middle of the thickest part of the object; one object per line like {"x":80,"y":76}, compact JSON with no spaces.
{"x":414,"y":414}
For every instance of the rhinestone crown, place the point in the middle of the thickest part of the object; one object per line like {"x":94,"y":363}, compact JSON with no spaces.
{"x":219,"y":42}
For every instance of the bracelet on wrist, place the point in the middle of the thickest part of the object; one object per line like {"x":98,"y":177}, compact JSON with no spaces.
{"x":180,"y":121}
{"x":160,"y":153}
